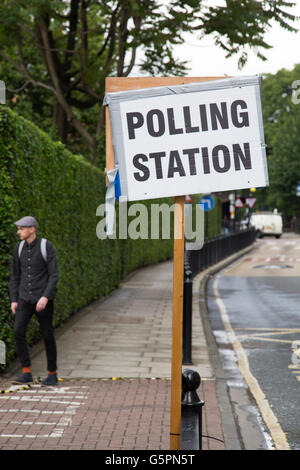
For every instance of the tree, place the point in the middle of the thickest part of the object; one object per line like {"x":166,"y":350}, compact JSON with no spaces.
{"x":277,"y":100}
{"x":284,"y":168}
{"x":67,"y":47}
{"x":282,"y":130}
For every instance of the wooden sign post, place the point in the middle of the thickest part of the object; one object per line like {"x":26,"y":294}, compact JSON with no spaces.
{"x":114,"y":84}
{"x":176,"y":371}
{"x":209,"y":136}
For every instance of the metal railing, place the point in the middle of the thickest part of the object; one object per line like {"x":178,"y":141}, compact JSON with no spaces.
{"x":195,"y":261}
{"x":218,"y":248}
{"x":213,"y":251}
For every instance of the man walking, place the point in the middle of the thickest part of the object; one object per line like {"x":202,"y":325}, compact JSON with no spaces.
{"x":32,"y":286}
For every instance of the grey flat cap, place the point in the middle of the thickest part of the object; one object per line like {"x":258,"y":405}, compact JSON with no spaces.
{"x":27,"y":221}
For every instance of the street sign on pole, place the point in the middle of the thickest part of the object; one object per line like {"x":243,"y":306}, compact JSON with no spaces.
{"x":172,"y":136}
{"x":239,"y":203}
{"x":250,"y":201}
{"x":117,"y":84}
{"x":207,"y":203}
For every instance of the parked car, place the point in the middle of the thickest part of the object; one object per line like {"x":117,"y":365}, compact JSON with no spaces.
{"x":267,"y":223}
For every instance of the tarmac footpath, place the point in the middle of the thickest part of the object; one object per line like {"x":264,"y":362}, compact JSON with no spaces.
{"x":114,"y":364}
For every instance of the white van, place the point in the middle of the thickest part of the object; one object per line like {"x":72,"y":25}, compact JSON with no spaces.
{"x":267,"y":223}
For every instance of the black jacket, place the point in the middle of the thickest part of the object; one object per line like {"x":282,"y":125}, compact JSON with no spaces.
{"x":31,"y":277}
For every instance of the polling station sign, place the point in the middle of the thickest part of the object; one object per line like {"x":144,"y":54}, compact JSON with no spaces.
{"x":187,"y":139}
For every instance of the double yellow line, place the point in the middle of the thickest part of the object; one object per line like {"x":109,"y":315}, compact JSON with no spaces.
{"x":268,"y":416}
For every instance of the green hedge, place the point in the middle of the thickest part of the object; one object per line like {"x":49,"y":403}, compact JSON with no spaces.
{"x":42,"y":178}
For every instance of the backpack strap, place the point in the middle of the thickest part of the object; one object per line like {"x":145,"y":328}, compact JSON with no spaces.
{"x":43,"y":248}
{"x":21,"y":244}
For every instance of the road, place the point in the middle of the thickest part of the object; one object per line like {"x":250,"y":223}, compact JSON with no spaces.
{"x":254,"y":311}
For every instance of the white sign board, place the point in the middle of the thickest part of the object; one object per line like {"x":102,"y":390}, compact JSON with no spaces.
{"x":196,"y":138}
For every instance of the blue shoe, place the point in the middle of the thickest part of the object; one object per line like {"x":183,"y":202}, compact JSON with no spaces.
{"x":25,"y":378}
{"x":50,"y":380}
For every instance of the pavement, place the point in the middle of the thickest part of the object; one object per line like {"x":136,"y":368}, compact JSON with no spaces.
{"x":114,"y":364}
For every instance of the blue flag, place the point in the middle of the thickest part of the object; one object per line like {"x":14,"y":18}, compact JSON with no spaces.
{"x":117,"y":186}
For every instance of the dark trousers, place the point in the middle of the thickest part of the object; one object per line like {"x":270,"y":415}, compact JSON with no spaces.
{"x":24,"y":312}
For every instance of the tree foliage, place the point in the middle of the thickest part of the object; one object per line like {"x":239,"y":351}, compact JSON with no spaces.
{"x":56,"y":54}
{"x":282,"y":131}
{"x":285,"y":165}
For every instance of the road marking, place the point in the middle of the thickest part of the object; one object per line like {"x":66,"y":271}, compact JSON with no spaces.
{"x":42,"y":400}
{"x":282,"y":258}
{"x":63,"y":418}
{"x":274,"y":340}
{"x":33,"y":436}
{"x":269,"y":332}
{"x":280,"y":330}
{"x":56,"y":433}
{"x":43,"y":412}
{"x":269,"y":418}
{"x":30,"y":423}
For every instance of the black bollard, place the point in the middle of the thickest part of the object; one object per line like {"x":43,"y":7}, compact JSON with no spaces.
{"x":187,"y":318}
{"x":191,"y":411}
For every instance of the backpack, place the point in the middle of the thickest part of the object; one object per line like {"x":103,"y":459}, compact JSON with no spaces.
{"x":42,"y":247}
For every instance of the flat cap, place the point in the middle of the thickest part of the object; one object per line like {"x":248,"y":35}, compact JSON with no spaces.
{"x":27,"y":221}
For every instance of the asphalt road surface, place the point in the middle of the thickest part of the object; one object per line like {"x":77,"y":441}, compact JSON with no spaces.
{"x":254,"y":307}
